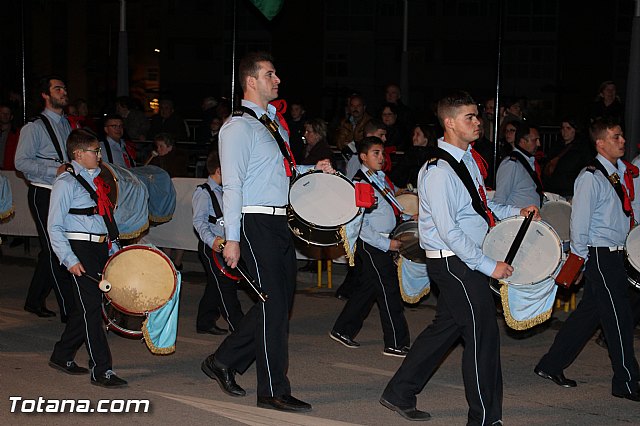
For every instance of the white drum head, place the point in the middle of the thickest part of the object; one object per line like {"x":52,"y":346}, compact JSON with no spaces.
{"x":409,"y":203}
{"x":558,"y":215}
{"x":632,"y":246}
{"x":323,"y":199}
{"x":538,"y":257}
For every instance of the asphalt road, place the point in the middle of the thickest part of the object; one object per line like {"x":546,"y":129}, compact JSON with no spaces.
{"x":343,"y":385}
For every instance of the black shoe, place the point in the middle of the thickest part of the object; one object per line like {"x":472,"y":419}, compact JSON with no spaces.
{"x":41,"y":312}
{"x":224,"y":376}
{"x":399,"y":352}
{"x":283,"y":403}
{"x":109,"y":380}
{"x":69,"y":367}
{"x":558,"y":379}
{"x":17,"y":241}
{"x":344,"y":339}
{"x":215,"y":330}
{"x":633,"y":396}
{"x":408,"y":413}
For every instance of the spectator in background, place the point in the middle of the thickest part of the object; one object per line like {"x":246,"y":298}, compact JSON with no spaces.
{"x":315,"y":132}
{"x":115,"y":150}
{"x":168,"y":156}
{"x":507,"y":139}
{"x":9,"y":136}
{"x":136,"y":124}
{"x":351,"y":128}
{"x":85,"y":120}
{"x":210,"y":136}
{"x":223,"y":110}
{"x":512,"y":111}
{"x":168,"y":121}
{"x":406,"y":171}
{"x":297,"y":127}
{"x":397,"y":135}
{"x":393,"y":95}
{"x":607,"y":104}
{"x":488,"y":118}
{"x":208,"y":107}
{"x":566,"y":159}
{"x":485,"y":148}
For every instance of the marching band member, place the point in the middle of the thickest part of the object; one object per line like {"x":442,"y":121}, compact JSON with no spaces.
{"x":453,"y":220}
{"x":374,"y":267}
{"x":80,"y":238}
{"x":220,"y":294}
{"x":601,"y":216}
{"x":257,"y":168}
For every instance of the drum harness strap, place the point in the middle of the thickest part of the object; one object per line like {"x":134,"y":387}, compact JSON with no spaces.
{"x":107,"y":215}
{"x":127,"y":157}
{"x":214,"y":203}
{"x":517,"y":156}
{"x":272,"y":127}
{"x":52,"y":136}
{"x":614,"y":180}
{"x":478,"y":204}
{"x":386,"y":194}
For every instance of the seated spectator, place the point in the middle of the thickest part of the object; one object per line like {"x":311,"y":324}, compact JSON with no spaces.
{"x":566,"y":159}
{"x":115,"y":149}
{"x":168,"y":121}
{"x":405,"y":115}
{"x":317,"y":148}
{"x":607,"y":104}
{"x":406,"y":170}
{"x":210,"y":136}
{"x":351,"y":128}
{"x":85,"y":119}
{"x":507,"y":139}
{"x":397,"y":135}
{"x":136,"y":123}
{"x":168,"y":156}
{"x":297,"y":126}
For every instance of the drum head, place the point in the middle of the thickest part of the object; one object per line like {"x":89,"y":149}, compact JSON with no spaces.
{"x":109,"y":177}
{"x":142,"y":279}
{"x":558,"y":215}
{"x":409,"y":203}
{"x":539,"y":255}
{"x":323,"y":199}
{"x":407,"y":233}
{"x":632,"y":246}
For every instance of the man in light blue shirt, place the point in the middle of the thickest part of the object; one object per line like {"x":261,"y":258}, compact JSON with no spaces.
{"x":256,"y":171}
{"x":453,"y":221}
{"x":114,"y":146}
{"x":41,"y":159}
{"x":601,"y":217}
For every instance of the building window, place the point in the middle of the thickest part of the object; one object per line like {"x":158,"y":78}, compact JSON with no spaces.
{"x":532,"y":16}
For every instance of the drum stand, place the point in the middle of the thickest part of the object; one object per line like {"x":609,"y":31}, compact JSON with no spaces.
{"x":329,"y":278}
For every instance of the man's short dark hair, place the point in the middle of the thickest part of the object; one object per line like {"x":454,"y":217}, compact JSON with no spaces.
{"x":523,"y":129}
{"x":373,"y":125}
{"x":448,"y":104}
{"x":44,"y":84}
{"x":213,"y":162}
{"x":365,"y":144}
{"x":250,"y":66}
{"x":167,"y":138}
{"x":79,"y":139}
{"x":599,"y":127}
{"x":112,"y":117}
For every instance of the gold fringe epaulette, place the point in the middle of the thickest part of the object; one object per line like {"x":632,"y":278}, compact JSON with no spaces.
{"x":405,"y":296}
{"x":349,"y":252}
{"x":512,"y":322}
{"x":153,"y":348}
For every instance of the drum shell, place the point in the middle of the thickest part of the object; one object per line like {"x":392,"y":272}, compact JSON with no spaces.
{"x":632,"y":261}
{"x":310,"y":234}
{"x":557,"y":214}
{"x":126,"y":325}
{"x":407,"y":233}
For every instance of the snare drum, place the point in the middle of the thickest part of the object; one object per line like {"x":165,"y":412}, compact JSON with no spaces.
{"x":539,"y":256}
{"x":409,"y":203}
{"x":143,"y":279}
{"x":632,"y":249}
{"x":558,"y":215}
{"x":319,"y":203}
{"x":407,"y":233}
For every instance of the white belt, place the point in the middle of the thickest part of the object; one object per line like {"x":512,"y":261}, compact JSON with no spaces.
{"x":81,"y":236}
{"x":438,"y":254}
{"x":41,"y":185}
{"x":275,"y":211}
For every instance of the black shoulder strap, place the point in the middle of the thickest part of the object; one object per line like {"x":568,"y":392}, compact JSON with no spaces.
{"x":214,"y":201}
{"x":273,"y":129}
{"x":517,"y":156}
{"x":464,"y":175}
{"x":614,"y":180}
{"x":52,"y":135}
{"x":107,"y":147}
{"x":112,"y":227}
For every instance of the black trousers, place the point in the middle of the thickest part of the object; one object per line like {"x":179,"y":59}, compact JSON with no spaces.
{"x":465,"y":310}
{"x":220,"y":295}
{"x":377,"y":283}
{"x":85,"y":324}
{"x":49,"y":273}
{"x":605,"y":303}
{"x":266,"y":247}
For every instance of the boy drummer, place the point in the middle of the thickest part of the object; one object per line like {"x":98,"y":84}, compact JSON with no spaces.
{"x":79,"y":239}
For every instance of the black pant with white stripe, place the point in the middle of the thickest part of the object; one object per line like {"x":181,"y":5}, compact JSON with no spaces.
{"x":48,"y":273}
{"x":266,"y":246}
{"x":85,"y":324}
{"x":606,"y":303}
{"x":378,"y":282}
{"x":220,"y":295}
{"x":465,"y":310}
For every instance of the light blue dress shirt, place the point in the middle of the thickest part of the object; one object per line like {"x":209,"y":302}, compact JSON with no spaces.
{"x":447,"y":220}
{"x":381,"y":220}
{"x":514,"y":185}
{"x":202,"y":209}
{"x":117,"y":152}
{"x":68,"y":193}
{"x":597,"y":217}
{"x":253,"y":172}
{"x":35,"y":145}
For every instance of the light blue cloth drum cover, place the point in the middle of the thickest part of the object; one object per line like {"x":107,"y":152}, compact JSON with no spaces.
{"x":160,"y":329}
{"x":528,"y":295}
{"x":6,"y":200}
{"x":414,"y":280}
{"x":130,"y":198}
{"x":162,"y":193}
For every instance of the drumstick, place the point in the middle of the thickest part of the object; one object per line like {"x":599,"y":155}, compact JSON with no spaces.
{"x":515,"y":245}
{"x":103,"y":285}
{"x":241,"y":267}
{"x":151,"y":157}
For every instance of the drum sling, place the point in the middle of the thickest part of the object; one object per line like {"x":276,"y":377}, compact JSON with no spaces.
{"x":516,"y":156}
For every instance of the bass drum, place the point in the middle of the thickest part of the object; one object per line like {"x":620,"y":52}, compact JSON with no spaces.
{"x":632,"y":250}
{"x":126,"y":325}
